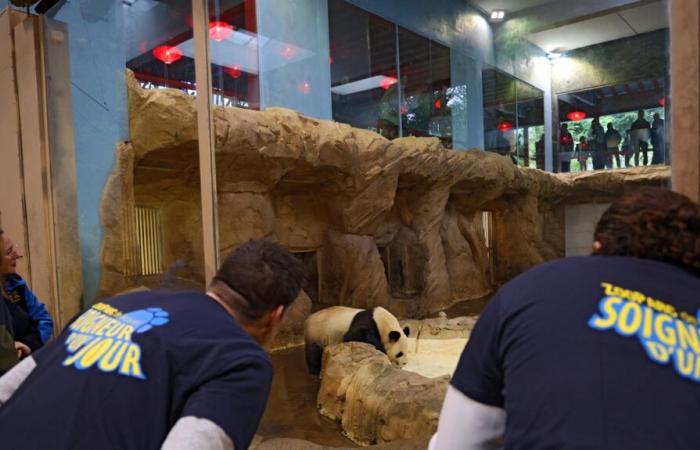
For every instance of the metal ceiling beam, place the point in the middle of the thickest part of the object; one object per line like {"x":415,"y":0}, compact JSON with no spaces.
{"x":558,"y":13}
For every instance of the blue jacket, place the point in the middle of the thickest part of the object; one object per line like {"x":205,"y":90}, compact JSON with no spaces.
{"x":16,"y":286}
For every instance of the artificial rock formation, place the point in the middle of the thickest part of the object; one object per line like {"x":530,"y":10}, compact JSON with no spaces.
{"x":387,"y":223}
{"x":375,"y":402}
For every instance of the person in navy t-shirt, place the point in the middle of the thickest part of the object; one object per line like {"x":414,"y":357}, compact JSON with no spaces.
{"x":595,"y":352}
{"x":153,"y":370}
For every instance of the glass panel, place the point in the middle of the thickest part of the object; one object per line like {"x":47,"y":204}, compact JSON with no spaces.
{"x":499,"y":112}
{"x":160,"y":45}
{"x":233,"y":48}
{"x":139,"y":212}
{"x":530,"y":125}
{"x":364,"y":78}
{"x":294,"y":56}
{"x":425,"y":80}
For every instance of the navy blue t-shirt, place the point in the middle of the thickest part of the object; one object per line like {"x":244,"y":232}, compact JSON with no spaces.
{"x":123,"y":373}
{"x":591,"y":353}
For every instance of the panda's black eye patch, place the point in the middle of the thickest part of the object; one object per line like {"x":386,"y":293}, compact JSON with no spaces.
{"x":399,"y":354}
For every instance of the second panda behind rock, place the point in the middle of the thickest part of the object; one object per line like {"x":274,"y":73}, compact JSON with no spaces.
{"x":376,"y":326}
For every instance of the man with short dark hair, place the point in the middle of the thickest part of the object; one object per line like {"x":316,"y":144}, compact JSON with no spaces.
{"x":158,"y":369}
{"x":596,"y":352}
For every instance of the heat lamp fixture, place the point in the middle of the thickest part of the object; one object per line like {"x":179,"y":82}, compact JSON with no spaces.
{"x":504,"y":126}
{"x":167,"y":54}
{"x":575,"y":116}
{"x":219,"y":31}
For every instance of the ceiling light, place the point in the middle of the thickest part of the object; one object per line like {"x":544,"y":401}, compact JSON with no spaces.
{"x":497,"y":15}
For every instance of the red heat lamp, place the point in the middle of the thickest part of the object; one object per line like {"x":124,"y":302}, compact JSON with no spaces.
{"x":167,"y":54}
{"x":220,"y":31}
{"x":387,"y":82}
{"x":504,"y":126}
{"x":575,"y":116}
{"x":662,"y":101}
{"x":234,"y":71}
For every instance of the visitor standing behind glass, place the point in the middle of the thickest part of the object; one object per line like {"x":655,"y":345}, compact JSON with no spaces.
{"x":582,"y":153}
{"x":539,"y":153}
{"x":640,"y":132}
{"x":597,"y":144}
{"x":566,"y":148}
{"x":612,"y":143}
{"x":658,"y":139}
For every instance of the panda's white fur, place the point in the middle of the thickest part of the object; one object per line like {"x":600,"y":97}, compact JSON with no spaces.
{"x":341,"y":323}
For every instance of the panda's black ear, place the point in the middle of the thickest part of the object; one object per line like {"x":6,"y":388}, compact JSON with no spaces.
{"x":394,"y":336}
{"x":406,"y":331}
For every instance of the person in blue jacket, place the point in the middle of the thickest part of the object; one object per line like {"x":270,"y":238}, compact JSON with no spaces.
{"x":8,"y":352}
{"x":32,"y":323}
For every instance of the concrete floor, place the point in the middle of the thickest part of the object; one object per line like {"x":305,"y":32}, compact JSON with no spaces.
{"x":291,"y":409}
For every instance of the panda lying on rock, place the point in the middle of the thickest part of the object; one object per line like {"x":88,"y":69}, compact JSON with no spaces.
{"x":337,"y":324}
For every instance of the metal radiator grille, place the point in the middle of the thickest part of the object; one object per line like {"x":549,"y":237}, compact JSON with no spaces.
{"x":148,"y":236}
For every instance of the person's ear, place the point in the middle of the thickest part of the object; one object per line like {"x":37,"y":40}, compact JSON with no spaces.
{"x":597,"y":246}
{"x":276,"y":316}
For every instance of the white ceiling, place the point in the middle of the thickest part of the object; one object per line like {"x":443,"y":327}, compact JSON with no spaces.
{"x":509,"y":6}
{"x":619,"y":25}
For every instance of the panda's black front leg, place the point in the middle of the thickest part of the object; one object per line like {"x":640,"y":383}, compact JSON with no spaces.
{"x":314,"y":356}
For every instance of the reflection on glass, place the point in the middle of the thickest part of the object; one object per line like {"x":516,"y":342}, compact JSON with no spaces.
{"x":425,"y":80}
{"x":513,"y":118}
{"x":364,"y":78}
{"x":162,"y":236}
{"x":499,"y":112}
{"x":233,"y":50}
{"x":160,"y":45}
{"x":530,"y":124}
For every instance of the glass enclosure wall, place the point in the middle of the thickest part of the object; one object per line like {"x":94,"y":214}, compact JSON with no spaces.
{"x":160,"y":49}
{"x":513,"y":118}
{"x":386,"y":78}
{"x":425,"y":83}
{"x":528,"y":88}
{"x":364,"y":74}
{"x":143,"y":245}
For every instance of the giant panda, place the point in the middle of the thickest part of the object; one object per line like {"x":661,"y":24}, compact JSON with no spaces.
{"x":337,"y":324}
